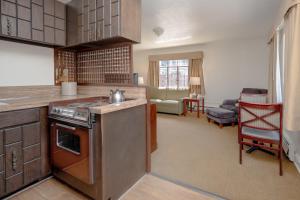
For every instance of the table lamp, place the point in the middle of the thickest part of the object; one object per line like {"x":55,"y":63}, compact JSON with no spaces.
{"x":194,"y":81}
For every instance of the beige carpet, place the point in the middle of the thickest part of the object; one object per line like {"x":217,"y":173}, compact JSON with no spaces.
{"x":204,"y":156}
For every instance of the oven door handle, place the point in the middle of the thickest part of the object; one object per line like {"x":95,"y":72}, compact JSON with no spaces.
{"x":66,"y":126}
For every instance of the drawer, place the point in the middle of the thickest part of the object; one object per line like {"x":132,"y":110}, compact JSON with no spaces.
{"x":13,"y":159}
{"x":14,"y":183}
{"x":32,"y":171}
{"x":13,"y":135}
{"x":2,"y":185}
{"x":1,"y":142}
{"x":1,"y":163}
{"x":32,"y":152}
{"x":31,"y":134}
{"x":15,"y":118}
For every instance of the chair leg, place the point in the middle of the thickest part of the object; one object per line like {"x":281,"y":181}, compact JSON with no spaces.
{"x":280,"y":162}
{"x":241,"y":148}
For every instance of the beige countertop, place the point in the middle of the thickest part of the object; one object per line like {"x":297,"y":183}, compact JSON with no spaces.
{"x":120,"y":106}
{"x":27,"y":102}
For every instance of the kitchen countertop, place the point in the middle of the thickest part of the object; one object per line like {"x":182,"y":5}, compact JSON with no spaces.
{"x":120,"y":106}
{"x":27,"y":102}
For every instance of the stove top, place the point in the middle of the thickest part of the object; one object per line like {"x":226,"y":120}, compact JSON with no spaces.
{"x":75,"y":110}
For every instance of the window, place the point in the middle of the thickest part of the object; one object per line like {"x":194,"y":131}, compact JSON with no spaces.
{"x":174,"y":74}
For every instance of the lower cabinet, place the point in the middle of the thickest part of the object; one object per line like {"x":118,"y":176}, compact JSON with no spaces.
{"x":20,"y":150}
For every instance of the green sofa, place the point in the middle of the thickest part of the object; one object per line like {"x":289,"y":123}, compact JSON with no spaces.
{"x":168,"y":101}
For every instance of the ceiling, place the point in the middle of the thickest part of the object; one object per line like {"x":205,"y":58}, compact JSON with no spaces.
{"x":188,"y":22}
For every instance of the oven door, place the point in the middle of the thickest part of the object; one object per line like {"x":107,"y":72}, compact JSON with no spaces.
{"x":71,"y":151}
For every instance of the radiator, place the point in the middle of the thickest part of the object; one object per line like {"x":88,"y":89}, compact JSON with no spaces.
{"x":289,"y":147}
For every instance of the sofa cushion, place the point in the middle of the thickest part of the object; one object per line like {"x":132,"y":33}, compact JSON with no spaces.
{"x":220,"y":113}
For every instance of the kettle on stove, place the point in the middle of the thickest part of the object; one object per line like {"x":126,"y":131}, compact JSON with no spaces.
{"x":116,"y":96}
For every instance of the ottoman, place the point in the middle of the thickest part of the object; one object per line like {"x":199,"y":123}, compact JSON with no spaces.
{"x":221,"y":116}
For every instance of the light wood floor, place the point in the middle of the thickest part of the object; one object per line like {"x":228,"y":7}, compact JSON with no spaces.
{"x":148,"y":188}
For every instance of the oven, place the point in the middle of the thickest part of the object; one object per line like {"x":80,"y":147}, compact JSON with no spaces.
{"x":72,"y":150}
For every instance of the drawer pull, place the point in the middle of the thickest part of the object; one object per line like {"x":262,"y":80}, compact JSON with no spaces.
{"x":14,"y":160}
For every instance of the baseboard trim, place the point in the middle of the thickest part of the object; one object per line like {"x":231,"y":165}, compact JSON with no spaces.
{"x":195,"y":189}
{"x":297,"y":162}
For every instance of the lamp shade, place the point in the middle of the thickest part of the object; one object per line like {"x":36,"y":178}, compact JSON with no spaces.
{"x":195,"y":80}
{"x":141,"y":80}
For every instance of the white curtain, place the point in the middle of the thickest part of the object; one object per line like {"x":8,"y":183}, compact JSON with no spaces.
{"x":292,"y":69}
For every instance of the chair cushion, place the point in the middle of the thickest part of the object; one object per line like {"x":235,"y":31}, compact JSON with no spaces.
{"x":271,"y":135}
{"x":220,"y":113}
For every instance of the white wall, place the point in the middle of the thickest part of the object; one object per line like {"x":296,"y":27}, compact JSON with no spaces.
{"x":22,"y":64}
{"x":228,"y":66}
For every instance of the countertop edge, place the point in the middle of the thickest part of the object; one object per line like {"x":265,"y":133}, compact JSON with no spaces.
{"x":116,"y":107}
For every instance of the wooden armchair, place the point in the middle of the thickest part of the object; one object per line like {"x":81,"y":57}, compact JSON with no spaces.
{"x":261,"y":123}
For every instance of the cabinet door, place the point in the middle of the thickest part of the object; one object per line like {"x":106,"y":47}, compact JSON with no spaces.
{"x":37,"y":35}
{"x":1,"y":142}
{"x":14,"y":183}
{"x":13,"y":135}
{"x":24,"y":29}
{"x":115,"y":26}
{"x":31,"y":134}
{"x":59,"y":23}
{"x":2,"y":184}
{"x":49,"y":35}
{"x":24,"y":13}
{"x":49,"y":7}
{"x":49,"y":20}
{"x":60,"y":37}
{"x":39,"y":2}
{"x":8,"y":8}
{"x":60,"y":10}
{"x":32,"y":171}
{"x":37,"y":17}
{"x":25,"y":3}
{"x":13,"y":159}
{"x":9,"y":26}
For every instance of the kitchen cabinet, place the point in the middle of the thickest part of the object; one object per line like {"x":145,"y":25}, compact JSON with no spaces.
{"x":29,"y":20}
{"x":23,"y":150}
{"x":97,"y":20}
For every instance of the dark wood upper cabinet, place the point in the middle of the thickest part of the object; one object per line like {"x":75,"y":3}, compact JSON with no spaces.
{"x":50,"y":22}
{"x":97,"y":20}
{"x":27,"y":20}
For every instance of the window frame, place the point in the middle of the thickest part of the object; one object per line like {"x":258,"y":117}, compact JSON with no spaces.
{"x":177,"y":74}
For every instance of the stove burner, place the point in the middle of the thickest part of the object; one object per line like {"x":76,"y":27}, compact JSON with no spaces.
{"x":76,"y":111}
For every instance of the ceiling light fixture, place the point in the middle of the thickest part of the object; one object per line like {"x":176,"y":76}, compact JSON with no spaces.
{"x":158,"y":31}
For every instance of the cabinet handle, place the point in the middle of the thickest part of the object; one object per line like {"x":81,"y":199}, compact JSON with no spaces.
{"x":8,"y":27}
{"x":14,"y":160}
